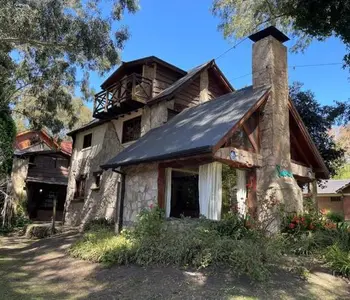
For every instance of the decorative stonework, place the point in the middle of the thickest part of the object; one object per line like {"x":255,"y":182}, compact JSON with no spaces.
{"x":98,"y":203}
{"x":270,"y":69}
{"x":141,"y":189}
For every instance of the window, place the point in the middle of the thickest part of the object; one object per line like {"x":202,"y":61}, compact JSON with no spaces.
{"x":87,"y":140}
{"x":131,"y":130}
{"x":97,"y":180}
{"x":80,"y":187}
{"x":335,"y":199}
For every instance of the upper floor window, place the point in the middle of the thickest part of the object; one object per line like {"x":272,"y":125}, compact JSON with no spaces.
{"x":131,"y":130}
{"x":87,"y":140}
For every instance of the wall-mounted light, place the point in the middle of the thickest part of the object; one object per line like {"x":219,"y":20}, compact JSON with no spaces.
{"x":41,"y":190}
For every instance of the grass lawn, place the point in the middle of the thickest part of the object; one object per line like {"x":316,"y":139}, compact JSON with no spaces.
{"x":43,"y":270}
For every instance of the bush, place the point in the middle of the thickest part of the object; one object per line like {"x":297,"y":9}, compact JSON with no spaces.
{"x":338,"y":260}
{"x":98,"y":223}
{"x":335,"y":217}
{"x":38,"y":231}
{"x":19,"y":222}
{"x":200,"y":243}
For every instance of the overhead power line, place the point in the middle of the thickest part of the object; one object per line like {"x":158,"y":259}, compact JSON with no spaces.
{"x":229,"y":49}
{"x":294,"y":67}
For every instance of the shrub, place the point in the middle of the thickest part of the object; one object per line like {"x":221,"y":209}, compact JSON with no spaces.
{"x":200,"y":243}
{"x":98,"y":223}
{"x":338,"y":259}
{"x":102,"y":245}
{"x":335,"y":217}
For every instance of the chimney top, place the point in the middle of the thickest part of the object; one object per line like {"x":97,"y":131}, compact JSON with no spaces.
{"x":271,"y":30}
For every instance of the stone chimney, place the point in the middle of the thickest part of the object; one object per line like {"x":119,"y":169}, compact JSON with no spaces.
{"x":274,"y":180}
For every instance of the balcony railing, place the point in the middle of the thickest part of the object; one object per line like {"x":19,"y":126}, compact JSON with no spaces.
{"x":133,"y":88}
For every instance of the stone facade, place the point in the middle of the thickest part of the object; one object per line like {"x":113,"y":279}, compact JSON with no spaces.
{"x":270,"y":69}
{"x":141,"y":189}
{"x":18,"y":178}
{"x":97,"y":203}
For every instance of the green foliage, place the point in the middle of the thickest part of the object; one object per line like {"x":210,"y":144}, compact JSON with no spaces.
{"x":335,"y":217}
{"x":305,"y":20}
{"x":7,"y":136}
{"x":229,"y":178}
{"x":338,"y":260}
{"x":343,"y":172}
{"x":48,"y":48}
{"x":318,"y":120}
{"x":96,"y":224}
{"x":194,"y":243}
{"x":19,"y":223}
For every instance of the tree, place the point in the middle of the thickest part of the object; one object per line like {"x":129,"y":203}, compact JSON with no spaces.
{"x":305,"y":20}
{"x":319,"y":120}
{"x":48,"y":47}
{"x":62,"y":122}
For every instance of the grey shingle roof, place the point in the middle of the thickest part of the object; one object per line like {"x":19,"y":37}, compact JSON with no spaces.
{"x":193,"y":131}
{"x":182,"y":81}
{"x":332,"y":186}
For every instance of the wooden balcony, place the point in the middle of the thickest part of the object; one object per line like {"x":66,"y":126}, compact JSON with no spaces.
{"x":130,"y":93}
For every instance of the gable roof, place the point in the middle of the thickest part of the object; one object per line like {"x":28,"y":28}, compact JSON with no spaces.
{"x":333,"y":186}
{"x":194,"y":131}
{"x":183,"y":81}
{"x":324,"y":170}
{"x":141,"y":61}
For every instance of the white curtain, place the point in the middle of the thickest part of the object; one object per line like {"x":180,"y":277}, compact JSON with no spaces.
{"x":241,"y":191}
{"x":210,"y":190}
{"x":167,"y":192}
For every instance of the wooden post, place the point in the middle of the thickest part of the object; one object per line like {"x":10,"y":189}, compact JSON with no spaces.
{"x":53,"y":215}
{"x":106,"y":104}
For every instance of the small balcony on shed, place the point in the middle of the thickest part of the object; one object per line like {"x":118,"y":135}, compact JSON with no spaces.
{"x":129,"y":93}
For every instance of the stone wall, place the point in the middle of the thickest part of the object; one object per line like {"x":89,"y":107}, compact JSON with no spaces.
{"x":141,"y":190}
{"x":97,"y":203}
{"x":155,"y":115}
{"x":18,"y":178}
{"x":270,"y":69}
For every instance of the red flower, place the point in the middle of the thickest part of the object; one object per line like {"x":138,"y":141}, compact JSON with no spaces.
{"x":151,"y":206}
{"x":311,"y":226}
{"x":291,"y":225}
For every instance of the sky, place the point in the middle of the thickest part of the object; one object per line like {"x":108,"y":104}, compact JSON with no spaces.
{"x":185,"y":34}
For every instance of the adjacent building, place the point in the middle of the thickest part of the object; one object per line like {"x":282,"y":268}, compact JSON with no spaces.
{"x":40,"y":173}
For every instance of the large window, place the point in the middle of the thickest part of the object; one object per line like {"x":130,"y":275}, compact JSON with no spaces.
{"x":131,"y":130}
{"x":87,"y":140}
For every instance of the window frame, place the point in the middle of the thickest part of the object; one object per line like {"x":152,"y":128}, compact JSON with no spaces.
{"x":84,"y":141}
{"x":129,"y":140}
{"x":97,"y":180}
{"x":80,"y":186}
{"x":336,"y":199}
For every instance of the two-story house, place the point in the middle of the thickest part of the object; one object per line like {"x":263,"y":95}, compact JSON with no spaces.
{"x":161,"y":136}
{"x":40,"y":173}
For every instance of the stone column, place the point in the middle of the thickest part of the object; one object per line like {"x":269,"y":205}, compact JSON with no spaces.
{"x":274,"y":185}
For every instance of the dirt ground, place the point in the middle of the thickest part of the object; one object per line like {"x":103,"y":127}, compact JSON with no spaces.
{"x":43,"y":270}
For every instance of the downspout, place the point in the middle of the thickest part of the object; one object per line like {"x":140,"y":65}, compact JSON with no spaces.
{"x":121,"y":204}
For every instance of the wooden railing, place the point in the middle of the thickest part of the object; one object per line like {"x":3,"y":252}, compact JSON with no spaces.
{"x":131,"y":88}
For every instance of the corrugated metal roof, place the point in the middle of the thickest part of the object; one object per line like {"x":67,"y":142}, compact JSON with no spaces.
{"x":332,"y":186}
{"x":193,"y":131}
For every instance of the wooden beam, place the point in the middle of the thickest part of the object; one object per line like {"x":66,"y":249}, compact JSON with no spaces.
{"x":241,"y":157}
{"x":250,"y":134}
{"x":302,"y":171}
{"x":248,"y":114}
{"x":161,"y":187}
{"x":187,"y":161}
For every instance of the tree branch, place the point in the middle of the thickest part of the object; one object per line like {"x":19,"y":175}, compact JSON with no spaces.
{"x":34,"y":42}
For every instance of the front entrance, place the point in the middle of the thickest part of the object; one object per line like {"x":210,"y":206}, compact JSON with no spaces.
{"x":41,"y":198}
{"x":184,"y":194}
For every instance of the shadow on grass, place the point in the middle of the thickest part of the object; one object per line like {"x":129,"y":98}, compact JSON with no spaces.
{"x":43,"y":270}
